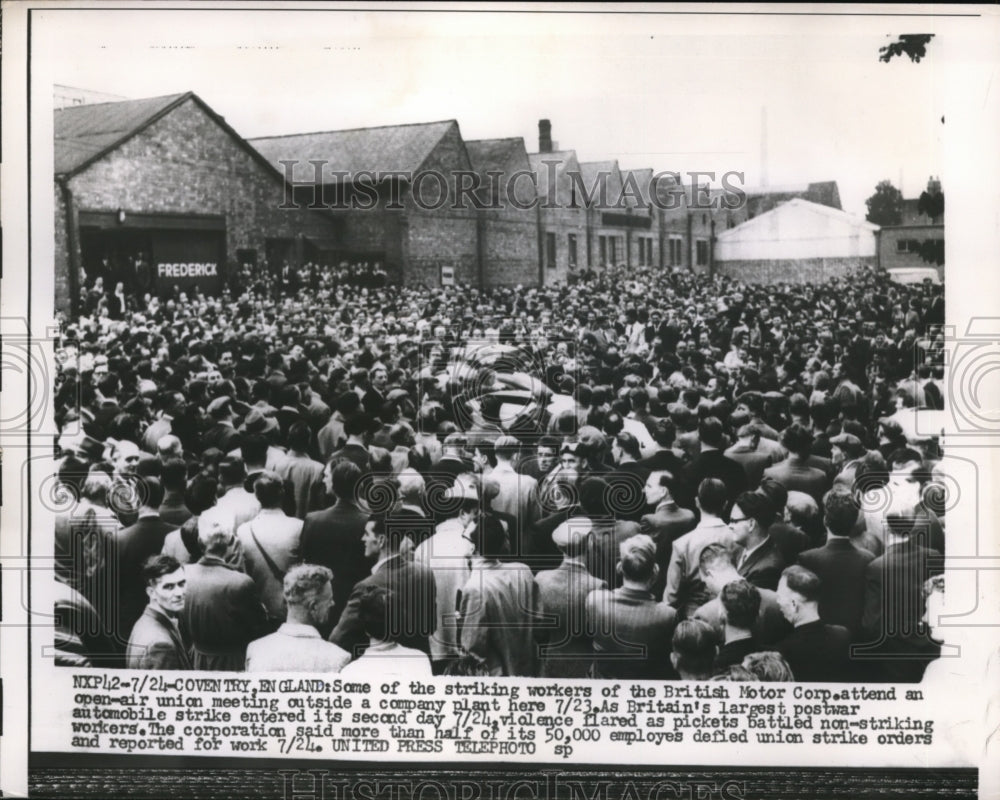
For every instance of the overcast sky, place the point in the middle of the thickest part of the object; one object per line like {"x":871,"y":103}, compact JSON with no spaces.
{"x":667,"y":91}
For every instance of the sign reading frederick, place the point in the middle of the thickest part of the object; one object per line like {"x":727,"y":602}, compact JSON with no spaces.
{"x":186,"y":275}
{"x":183,"y":264}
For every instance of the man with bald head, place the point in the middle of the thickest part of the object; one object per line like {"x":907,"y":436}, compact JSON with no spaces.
{"x":169,"y":446}
{"x":222,"y":613}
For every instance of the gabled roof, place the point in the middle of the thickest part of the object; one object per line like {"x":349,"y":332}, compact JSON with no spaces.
{"x":764,"y":220}
{"x":487,"y":154}
{"x":590,"y":170}
{"x":85,"y":133}
{"x":564,"y":157}
{"x":383,"y":149}
{"x":566,"y":164}
{"x":590,"y":174}
{"x":642,"y":179}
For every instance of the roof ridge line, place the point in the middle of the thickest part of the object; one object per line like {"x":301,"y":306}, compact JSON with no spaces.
{"x":351,"y":130}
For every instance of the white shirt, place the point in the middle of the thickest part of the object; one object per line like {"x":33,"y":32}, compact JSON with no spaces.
{"x":389,"y":660}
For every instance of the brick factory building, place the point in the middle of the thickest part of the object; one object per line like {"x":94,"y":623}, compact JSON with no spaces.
{"x":508,"y":225}
{"x":562,"y":215}
{"x":430,"y":242}
{"x":161,"y":193}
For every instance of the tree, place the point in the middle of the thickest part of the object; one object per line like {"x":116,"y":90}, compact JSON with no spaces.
{"x":885,"y":207}
{"x":913,"y":44}
{"x":931,"y":202}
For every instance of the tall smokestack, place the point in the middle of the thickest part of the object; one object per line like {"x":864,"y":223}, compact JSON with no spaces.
{"x":544,"y":136}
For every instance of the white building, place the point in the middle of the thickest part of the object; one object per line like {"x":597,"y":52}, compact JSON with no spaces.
{"x":797,"y":241}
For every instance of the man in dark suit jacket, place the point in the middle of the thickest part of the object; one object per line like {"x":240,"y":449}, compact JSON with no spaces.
{"x":221,"y":613}
{"x":741,"y":607}
{"x":759,"y":560}
{"x":562,"y":595}
{"x":667,"y":522}
{"x":815,"y":651}
{"x":631,"y":631}
{"x":222,"y":433}
{"x":411,"y":603}
{"x":892,"y":622}
{"x":130,"y":548}
{"x":711,"y":462}
{"x":606,"y":534}
{"x":156,"y":641}
{"x":840,"y":565}
{"x":627,"y":478}
{"x":332,"y":537}
{"x":375,"y":396}
{"x":794,"y":473}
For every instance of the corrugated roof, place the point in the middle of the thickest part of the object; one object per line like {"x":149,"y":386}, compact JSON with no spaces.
{"x":384,"y":149}
{"x":83,"y":133}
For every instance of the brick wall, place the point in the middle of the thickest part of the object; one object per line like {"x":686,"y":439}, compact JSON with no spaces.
{"x":445,"y":235}
{"x":563,"y":222}
{"x":808,"y":270}
{"x":510,"y":234}
{"x":185,"y":163}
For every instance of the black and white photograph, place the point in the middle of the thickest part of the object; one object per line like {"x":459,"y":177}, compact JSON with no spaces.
{"x":475,"y":384}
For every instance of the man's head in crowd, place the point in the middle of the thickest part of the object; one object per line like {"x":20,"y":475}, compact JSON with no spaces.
{"x":215,"y":531}
{"x":751,"y":517}
{"x":768,"y":666}
{"x":716,"y":567}
{"x":712,"y":497}
{"x":232,"y":472}
{"x":907,"y":478}
{"x":840,"y":512}
{"x":741,"y":603}
{"x":344,"y":476}
{"x":174,"y":475}
{"x":638,"y":560}
{"x":797,"y":440}
{"x":269,"y":489}
{"x":693,"y":650}
{"x":798,"y":595}
{"x":166,"y":585}
{"x":169,"y":446}
{"x":150,"y":495}
{"x":308,"y":593}
{"x":657,"y":488}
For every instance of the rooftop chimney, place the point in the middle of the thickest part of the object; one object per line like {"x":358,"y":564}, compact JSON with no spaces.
{"x":544,"y":136}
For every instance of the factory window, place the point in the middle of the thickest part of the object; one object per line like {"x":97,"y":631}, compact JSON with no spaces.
{"x":550,"y":250}
{"x":676,"y":250}
{"x":701,"y":252}
{"x":571,"y":250}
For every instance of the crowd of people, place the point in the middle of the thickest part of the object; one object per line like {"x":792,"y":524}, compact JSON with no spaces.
{"x":700,"y":479}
